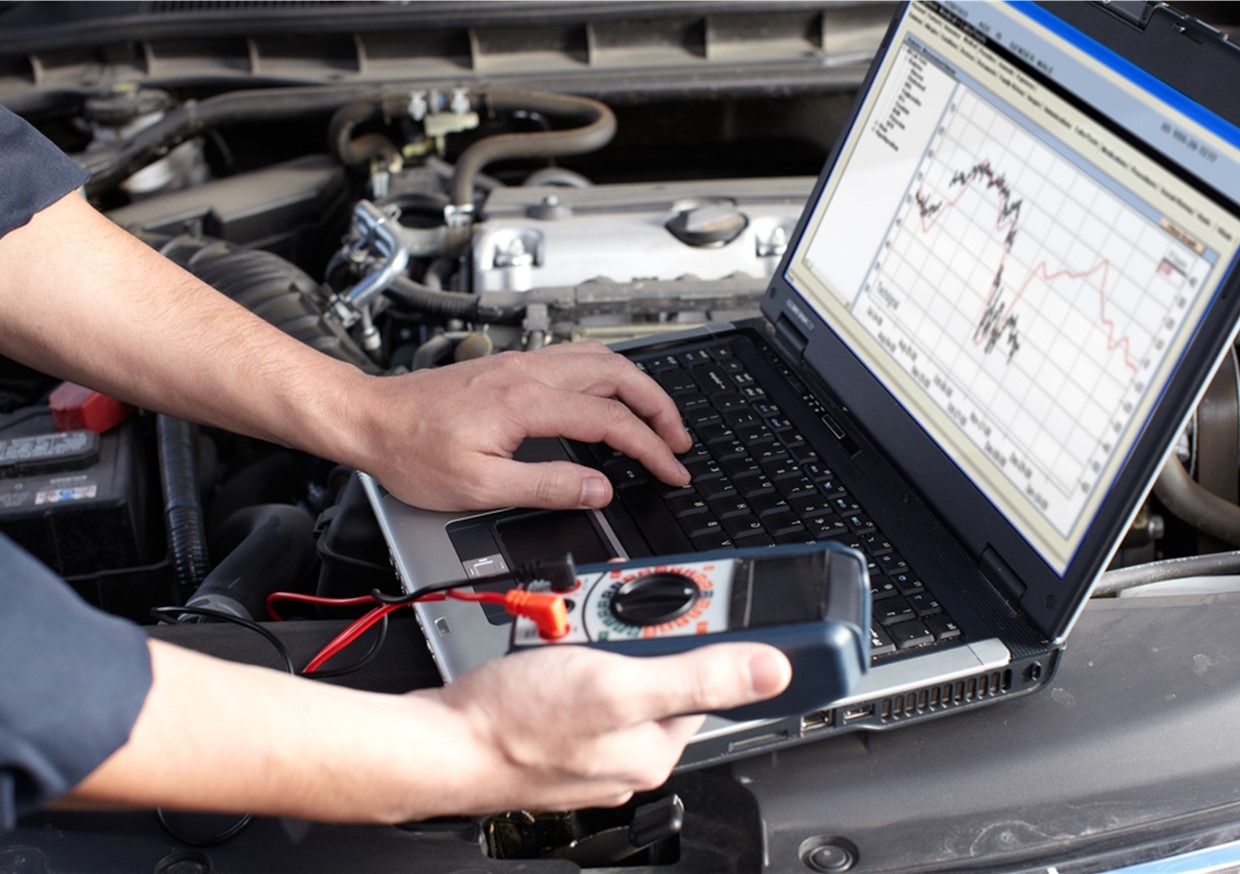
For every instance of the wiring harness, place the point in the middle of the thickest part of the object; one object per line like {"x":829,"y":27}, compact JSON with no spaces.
{"x":546,"y":609}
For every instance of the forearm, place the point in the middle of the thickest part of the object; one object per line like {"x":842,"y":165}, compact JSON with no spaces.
{"x":116,"y":316}
{"x":558,"y":728}
{"x":225,"y":737}
{"x":86,"y":301}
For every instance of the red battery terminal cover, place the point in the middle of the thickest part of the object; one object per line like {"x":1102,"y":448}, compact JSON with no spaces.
{"x":77,"y":408}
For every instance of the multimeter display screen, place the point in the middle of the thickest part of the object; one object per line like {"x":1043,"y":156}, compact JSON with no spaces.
{"x":780,"y":590}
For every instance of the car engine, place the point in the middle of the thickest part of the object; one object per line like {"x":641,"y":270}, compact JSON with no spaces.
{"x":441,"y":226}
{"x":404,"y":186}
{"x":404,"y":226}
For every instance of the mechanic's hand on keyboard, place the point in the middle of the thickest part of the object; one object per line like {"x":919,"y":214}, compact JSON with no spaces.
{"x":443,"y":439}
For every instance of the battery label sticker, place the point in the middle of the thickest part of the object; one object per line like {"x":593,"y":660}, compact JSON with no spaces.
{"x":14,"y":498}
{"x":57,"y":496}
{"x":66,"y":446}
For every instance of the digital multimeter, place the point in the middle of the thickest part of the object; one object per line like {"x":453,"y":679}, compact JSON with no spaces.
{"x":810,"y":601}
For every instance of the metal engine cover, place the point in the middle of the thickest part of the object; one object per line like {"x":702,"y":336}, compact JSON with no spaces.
{"x":544,"y":236}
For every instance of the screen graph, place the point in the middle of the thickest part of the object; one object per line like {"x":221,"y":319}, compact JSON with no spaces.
{"x":1028,"y":299}
{"x":1008,"y":244}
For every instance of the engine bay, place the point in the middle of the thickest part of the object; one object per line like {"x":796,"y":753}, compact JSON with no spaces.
{"x":442,"y":225}
{"x":402,"y":223}
{"x":438,"y":225}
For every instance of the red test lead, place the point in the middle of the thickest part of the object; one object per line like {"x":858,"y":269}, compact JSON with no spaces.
{"x":544,"y":609}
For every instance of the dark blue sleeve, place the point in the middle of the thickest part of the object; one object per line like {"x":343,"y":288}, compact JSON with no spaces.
{"x":72,"y":684}
{"x":73,"y":678}
{"x":33,"y":172}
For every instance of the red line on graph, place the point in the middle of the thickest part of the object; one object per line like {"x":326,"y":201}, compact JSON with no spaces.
{"x":1005,"y":209}
{"x":1105,"y":266}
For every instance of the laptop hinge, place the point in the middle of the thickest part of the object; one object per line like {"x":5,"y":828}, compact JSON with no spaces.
{"x":1001,"y":576}
{"x":1135,"y":12}
{"x":790,"y":336}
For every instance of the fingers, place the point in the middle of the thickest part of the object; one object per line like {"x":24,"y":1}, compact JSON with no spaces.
{"x":462,"y":424}
{"x":593,"y":369}
{"x":571,"y":726}
{"x":592,"y":419}
{"x":714,"y":678}
{"x":710,"y":678}
{"x":591,"y":396}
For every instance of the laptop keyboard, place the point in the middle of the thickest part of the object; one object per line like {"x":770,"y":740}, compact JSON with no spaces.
{"x":756,"y":481}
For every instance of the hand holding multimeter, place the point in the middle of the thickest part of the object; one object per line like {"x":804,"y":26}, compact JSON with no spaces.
{"x":811,"y":602}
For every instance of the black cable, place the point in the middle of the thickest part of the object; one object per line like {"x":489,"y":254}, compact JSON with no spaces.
{"x":219,"y":837}
{"x":418,"y":594}
{"x":8,"y":420}
{"x":557,"y":569}
{"x":171,"y":614}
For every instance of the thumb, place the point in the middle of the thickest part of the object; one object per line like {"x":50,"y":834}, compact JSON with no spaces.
{"x":552,"y":485}
{"x":714,"y":678}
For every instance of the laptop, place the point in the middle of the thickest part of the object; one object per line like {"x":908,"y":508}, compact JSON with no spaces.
{"x":1005,"y":296}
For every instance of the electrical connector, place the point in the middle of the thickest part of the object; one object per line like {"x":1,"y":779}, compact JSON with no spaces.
{"x":557,"y":569}
{"x":544,"y":609}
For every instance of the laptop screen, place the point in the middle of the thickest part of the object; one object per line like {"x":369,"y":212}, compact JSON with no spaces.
{"x":1017,"y":243}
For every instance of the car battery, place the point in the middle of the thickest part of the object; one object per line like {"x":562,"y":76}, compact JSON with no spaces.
{"x":76,"y":499}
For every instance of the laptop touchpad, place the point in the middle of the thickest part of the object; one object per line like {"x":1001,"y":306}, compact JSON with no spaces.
{"x":503,"y":541}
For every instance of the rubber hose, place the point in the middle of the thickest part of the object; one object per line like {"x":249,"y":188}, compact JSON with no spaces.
{"x":599,"y":128}
{"x":1215,"y":564}
{"x":270,"y":287}
{"x":270,"y":548}
{"x":438,"y":273}
{"x":273,"y":478}
{"x":1189,"y":500}
{"x":431,"y":352}
{"x":360,"y":150}
{"x":410,"y":295}
{"x":178,"y":465}
{"x":193,"y":117}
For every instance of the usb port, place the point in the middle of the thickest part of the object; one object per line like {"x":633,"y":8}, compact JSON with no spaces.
{"x":814,"y":721}
{"x":861,"y":711}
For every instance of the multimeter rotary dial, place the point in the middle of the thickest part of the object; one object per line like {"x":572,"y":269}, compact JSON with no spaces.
{"x":654,"y":599}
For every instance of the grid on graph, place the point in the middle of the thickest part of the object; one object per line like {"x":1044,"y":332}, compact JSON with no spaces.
{"x":1038,"y":296}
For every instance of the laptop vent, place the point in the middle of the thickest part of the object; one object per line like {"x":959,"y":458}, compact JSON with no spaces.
{"x":944,"y":696}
